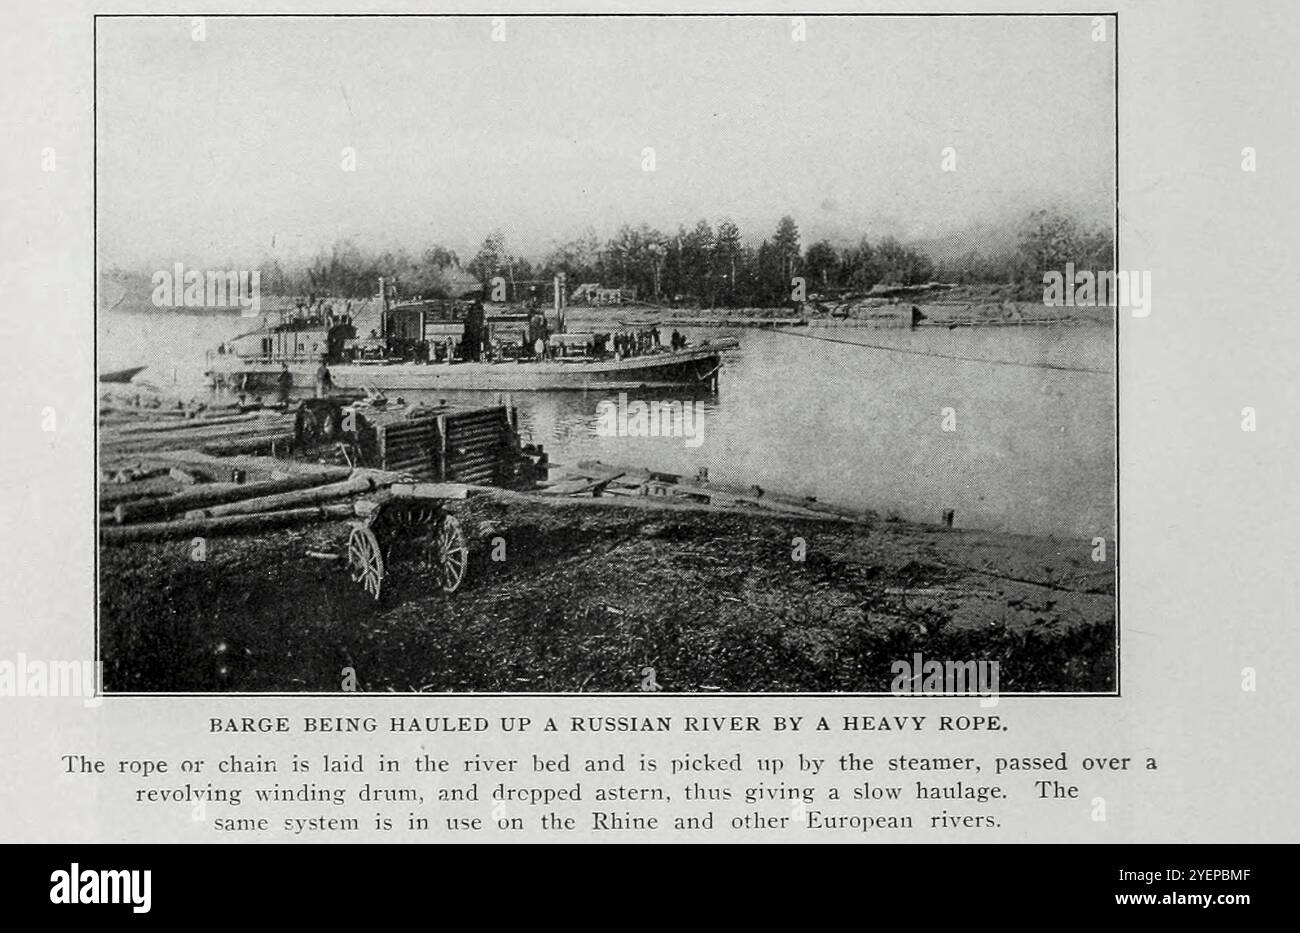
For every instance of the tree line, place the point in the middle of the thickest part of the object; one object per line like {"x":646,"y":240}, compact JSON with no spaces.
{"x":709,"y":265}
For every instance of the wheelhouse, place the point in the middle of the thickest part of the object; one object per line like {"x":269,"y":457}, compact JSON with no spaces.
{"x":298,"y":340}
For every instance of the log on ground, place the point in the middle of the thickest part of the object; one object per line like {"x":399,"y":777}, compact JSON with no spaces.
{"x":229,"y":524}
{"x":362,"y":483}
{"x":214,"y":494}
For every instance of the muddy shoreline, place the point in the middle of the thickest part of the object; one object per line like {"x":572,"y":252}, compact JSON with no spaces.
{"x":590,"y":595}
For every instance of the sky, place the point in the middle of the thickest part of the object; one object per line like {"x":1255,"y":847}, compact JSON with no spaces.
{"x":230,"y":149}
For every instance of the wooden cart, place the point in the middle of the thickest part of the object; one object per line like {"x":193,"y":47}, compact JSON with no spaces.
{"x":409,"y":521}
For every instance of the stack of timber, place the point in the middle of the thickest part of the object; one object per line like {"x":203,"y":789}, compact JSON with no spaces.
{"x":154,"y":405}
{"x":173,"y":472}
{"x":408,"y":445}
{"x":179,"y":472}
{"x":225,"y":434}
{"x":478,"y":446}
{"x":427,"y":443}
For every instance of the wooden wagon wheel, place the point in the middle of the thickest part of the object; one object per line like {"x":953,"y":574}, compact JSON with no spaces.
{"x":365,"y":559}
{"x":449,"y":554}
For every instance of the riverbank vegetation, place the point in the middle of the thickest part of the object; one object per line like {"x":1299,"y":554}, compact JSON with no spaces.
{"x":708,"y":264}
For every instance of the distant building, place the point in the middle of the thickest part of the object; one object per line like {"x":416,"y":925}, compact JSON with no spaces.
{"x":593,"y":293}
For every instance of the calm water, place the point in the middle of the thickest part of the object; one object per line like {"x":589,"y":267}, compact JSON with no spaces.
{"x":1033,"y":450}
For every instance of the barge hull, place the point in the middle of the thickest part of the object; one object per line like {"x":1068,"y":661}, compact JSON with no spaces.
{"x":683,"y":367}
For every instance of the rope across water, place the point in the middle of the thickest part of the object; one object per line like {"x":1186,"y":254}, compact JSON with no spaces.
{"x":945,"y":356}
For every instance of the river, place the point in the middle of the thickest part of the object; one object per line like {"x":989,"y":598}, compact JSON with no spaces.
{"x":1019,"y":448}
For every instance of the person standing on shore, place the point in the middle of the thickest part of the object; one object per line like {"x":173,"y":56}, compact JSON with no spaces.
{"x":285,"y":382}
{"x":324,"y":381}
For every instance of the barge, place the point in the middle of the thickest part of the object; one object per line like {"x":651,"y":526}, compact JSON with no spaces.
{"x":459,"y":344}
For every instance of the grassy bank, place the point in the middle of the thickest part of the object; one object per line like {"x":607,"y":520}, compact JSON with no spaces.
{"x":588,"y":597}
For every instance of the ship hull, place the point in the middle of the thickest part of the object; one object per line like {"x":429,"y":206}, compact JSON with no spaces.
{"x":690,"y":367}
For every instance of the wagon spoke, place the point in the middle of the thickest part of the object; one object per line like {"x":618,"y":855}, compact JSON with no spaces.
{"x":450,"y":554}
{"x":365,"y":560}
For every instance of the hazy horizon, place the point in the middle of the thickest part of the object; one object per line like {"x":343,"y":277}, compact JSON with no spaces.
{"x":230,"y":149}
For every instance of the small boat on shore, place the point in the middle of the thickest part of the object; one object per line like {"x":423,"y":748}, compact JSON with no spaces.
{"x":122,"y":375}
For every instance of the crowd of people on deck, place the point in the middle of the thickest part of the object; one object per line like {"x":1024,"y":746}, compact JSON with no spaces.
{"x":637,"y":342}
{"x":538,"y":342}
{"x":646,"y":340}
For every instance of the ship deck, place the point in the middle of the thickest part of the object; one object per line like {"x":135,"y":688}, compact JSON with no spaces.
{"x":668,"y":368}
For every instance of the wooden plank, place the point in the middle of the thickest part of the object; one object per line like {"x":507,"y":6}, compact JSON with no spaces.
{"x":465,"y":440}
{"x":483,"y":459}
{"x":480,"y":475}
{"x":441,"y":474}
{"x":674,"y":488}
{"x":577,"y":487}
{"x":169,"y":427}
{"x":598,"y":468}
{"x":462,"y":423}
{"x":430,"y":491}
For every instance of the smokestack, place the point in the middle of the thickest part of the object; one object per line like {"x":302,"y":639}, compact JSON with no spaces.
{"x":559,"y":302}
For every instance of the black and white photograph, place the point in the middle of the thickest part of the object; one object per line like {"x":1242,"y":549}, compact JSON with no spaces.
{"x":608,"y":354}
{"x":570,"y":424}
